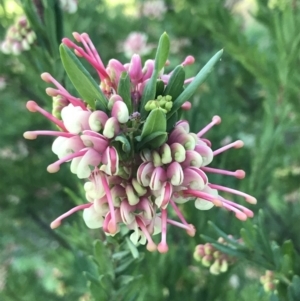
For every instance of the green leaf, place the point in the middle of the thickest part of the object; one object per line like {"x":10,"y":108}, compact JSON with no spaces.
{"x":162,"y":52}
{"x":124,"y":90}
{"x":294,"y":289}
{"x":81,"y":79}
{"x":103,"y":259}
{"x":176,"y":82}
{"x":159,"y":87}
{"x":222,"y":234}
{"x":133,"y":249}
{"x":154,"y":140}
{"x":155,"y":122}
{"x":91,"y":277}
{"x":171,"y":122}
{"x":193,"y":86}
{"x":148,"y":94}
{"x":277,"y":256}
{"x":161,"y":56}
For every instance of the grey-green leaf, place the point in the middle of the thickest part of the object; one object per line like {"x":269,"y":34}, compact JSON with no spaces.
{"x":81,"y":79}
{"x":193,"y":86}
{"x":124,"y":90}
{"x":176,"y":82}
{"x":162,"y":51}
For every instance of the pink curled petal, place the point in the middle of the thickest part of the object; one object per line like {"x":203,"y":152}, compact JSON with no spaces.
{"x":118,"y":194}
{"x":192,"y":158}
{"x":97,"y":120}
{"x":173,"y":137}
{"x":148,"y":70}
{"x":111,"y":159}
{"x":111,"y":128}
{"x":158,"y":178}
{"x":98,"y":143}
{"x":127,"y":212}
{"x":63,"y":146}
{"x":120,"y":111}
{"x":184,"y":124}
{"x":205,"y":151}
{"x":175,"y":173}
{"x":144,"y":173}
{"x":75,"y":119}
{"x":166,"y":193}
{"x":147,"y":208}
{"x":114,"y":69}
{"x":81,"y":166}
{"x":192,"y":179}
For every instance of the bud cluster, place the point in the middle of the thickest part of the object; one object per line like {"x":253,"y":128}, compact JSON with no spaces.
{"x":209,"y":256}
{"x":269,"y":281}
{"x":19,"y":37}
{"x":137,"y":162}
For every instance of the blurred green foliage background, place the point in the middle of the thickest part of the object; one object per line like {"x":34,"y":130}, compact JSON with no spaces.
{"x":254,"y":88}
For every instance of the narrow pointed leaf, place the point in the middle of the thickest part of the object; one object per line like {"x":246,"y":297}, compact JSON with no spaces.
{"x":103,"y":259}
{"x":161,"y":56}
{"x":193,"y":86}
{"x":176,"y":82}
{"x":162,"y":51}
{"x":124,"y":90}
{"x":81,"y":79}
{"x":160,"y":86}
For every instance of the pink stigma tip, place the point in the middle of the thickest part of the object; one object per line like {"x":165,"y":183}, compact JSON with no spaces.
{"x":46,"y":77}
{"x":189,"y":60}
{"x":151,"y":247}
{"x":251,"y":200}
{"x":112,"y":227}
{"x":51,"y":92}
{"x":192,"y":231}
{"x":76,"y":36}
{"x":217,"y":119}
{"x":67,"y":42}
{"x":217,"y":203}
{"x":53,"y":168}
{"x":240,"y":174}
{"x":186,"y":106}
{"x":162,"y":248}
{"x":85,"y":36}
{"x":31,"y":106}
{"x":241,"y":216}
{"x":55,"y":224}
{"x":77,"y":53}
{"x":29,"y":135}
{"x":238,"y":144}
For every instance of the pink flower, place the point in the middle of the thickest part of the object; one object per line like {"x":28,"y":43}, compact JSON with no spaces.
{"x":136,"y":43}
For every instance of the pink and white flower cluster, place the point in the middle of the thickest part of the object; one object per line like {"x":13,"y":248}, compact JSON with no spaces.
{"x":153,"y":9}
{"x":136,"y":191}
{"x":19,"y":37}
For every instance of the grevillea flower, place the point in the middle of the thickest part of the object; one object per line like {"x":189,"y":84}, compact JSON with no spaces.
{"x":19,"y":37}
{"x":125,"y":138}
{"x":154,"y":9}
{"x":136,"y":43}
